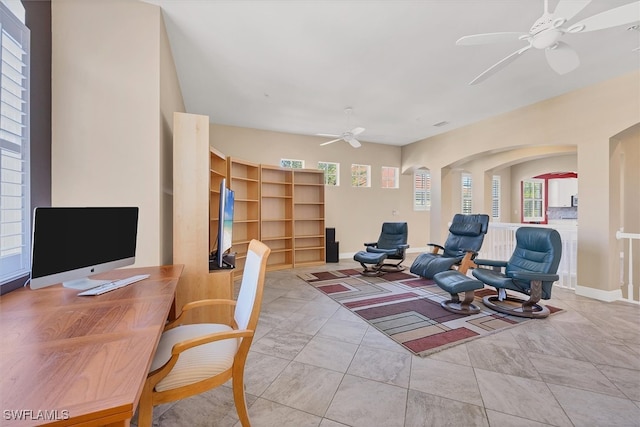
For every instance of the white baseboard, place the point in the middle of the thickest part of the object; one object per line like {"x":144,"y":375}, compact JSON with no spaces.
{"x":599,"y":294}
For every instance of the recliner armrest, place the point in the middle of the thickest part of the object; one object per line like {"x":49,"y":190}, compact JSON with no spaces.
{"x":490,"y":262}
{"x":371,"y":244}
{"x":435,"y":245}
{"x":530,"y":275}
{"x":405,"y":246}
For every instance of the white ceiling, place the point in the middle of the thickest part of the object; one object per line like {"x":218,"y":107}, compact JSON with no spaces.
{"x":294,"y":66}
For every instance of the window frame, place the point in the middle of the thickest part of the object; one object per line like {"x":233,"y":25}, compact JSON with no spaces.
{"x":535,"y":202}
{"x":394,"y":180}
{"x":496,"y":187}
{"x":291,"y":162}
{"x":359,"y":172}
{"x":466,"y":193}
{"x":422,"y":194}
{"x":328,"y":174}
{"x":15,"y":144}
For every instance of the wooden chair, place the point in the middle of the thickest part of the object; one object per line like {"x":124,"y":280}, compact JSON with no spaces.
{"x":194,"y":358}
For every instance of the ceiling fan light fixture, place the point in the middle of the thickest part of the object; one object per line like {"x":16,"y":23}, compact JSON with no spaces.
{"x":575,"y":28}
{"x":559,"y":22}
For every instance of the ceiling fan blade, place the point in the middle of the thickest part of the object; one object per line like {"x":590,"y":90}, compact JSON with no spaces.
{"x":567,"y":9}
{"x":331,"y":135}
{"x":331,"y":142}
{"x":489,"y":38}
{"x":354,"y":143}
{"x":499,"y":65}
{"x":357,"y":131}
{"x":621,"y":15}
{"x":562,"y":59}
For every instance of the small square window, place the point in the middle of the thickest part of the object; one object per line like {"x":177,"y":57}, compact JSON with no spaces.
{"x":331,"y":173}
{"x":360,"y":176}
{"x":390,"y":177}
{"x":291,"y":163}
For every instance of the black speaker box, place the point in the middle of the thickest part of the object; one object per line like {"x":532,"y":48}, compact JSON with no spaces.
{"x":330,"y":234}
{"x":332,"y":251}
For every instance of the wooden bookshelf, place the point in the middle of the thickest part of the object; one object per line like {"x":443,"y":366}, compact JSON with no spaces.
{"x":308,"y":208}
{"x":276,"y":215}
{"x":244,"y":179}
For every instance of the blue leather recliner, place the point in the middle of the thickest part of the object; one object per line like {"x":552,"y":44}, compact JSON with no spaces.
{"x":466,"y":235}
{"x":388,"y":252}
{"x":531,"y":270}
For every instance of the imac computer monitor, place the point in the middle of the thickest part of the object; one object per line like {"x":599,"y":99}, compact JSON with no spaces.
{"x":71,"y":243}
{"x":225,"y":227}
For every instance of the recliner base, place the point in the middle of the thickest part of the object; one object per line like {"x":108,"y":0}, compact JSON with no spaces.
{"x":526,"y":309}
{"x":461,"y":307}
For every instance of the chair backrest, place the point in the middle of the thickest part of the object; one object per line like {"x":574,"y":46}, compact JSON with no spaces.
{"x":249,"y":299}
{"x":465,"y":233}
{"x":537,"y":250}
{"x":393,"y":234}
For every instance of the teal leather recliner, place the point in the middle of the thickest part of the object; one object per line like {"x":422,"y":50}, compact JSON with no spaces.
{"x":466,"y":235}
{"x":531,"y":270}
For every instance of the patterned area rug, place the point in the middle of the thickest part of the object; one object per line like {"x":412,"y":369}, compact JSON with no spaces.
{"x":407,"y":308}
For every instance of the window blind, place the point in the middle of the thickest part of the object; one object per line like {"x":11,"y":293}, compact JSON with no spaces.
{"x":14,"y":147}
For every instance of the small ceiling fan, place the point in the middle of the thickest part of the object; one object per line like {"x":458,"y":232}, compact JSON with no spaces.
{"x":348,"y":136}
{"x":546,"y":32}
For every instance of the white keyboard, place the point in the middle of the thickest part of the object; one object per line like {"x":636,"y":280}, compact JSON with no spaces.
{"x":116,"y":284}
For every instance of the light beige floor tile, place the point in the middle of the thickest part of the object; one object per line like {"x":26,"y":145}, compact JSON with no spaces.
{"x":347,"y":331}
{"x":304,"y":387}
{"x":573,"y":373}
{"x":506,"y":360}
{"x":260,"y":371}
{"x":427,"y":410}
{"x":211,"y":408}
{"x":364,"y":403}
{"x":382,"y":365}
{"x":329,"y":423}
{"x":281,"y":343}
{"x":457,"y":355}
{"x":520,"y":397}
{"x":586,"y":408}
{"x":539,"y":336}
{"x":303,"y":323}
{"x":498,"y":419}
{"x":627,"y":380}
{"x":327,"y":353}
{"x":445,"y":380}
{"x":264,"y":413}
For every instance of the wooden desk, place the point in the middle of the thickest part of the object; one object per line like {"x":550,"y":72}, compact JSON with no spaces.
{"x":81,"y":360}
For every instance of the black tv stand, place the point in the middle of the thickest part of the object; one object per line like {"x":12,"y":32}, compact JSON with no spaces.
{"x":228,"y":261}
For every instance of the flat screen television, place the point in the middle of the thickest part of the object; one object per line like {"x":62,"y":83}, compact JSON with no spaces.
{"x":222,"y":258}
{"x":72,"y":243}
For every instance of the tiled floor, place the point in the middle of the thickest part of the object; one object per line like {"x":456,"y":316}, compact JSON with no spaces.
{"x":314,"y":363}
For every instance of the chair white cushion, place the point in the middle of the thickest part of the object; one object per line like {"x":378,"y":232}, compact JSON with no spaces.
{"x":197,"y":363}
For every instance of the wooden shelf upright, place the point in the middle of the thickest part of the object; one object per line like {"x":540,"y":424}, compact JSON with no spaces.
{"x":276,"y":215}
{"x":308,"y":214}
{"x":244,"y":179}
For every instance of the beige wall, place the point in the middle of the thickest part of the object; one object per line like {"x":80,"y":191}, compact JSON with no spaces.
{"x":110,"y":71}
{"x":357,"y":214}
{"x":625,"y":194}
{"x":585,"y":119}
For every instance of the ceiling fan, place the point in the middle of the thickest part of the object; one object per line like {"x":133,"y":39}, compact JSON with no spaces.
{"x":546,"y":32}
{"x":348,"y":136}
